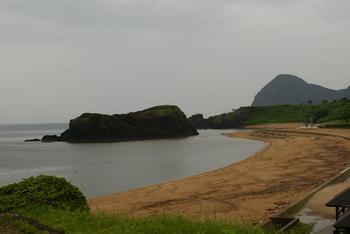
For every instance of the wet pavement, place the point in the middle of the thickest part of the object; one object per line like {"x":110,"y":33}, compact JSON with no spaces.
{"x":322,"y":225}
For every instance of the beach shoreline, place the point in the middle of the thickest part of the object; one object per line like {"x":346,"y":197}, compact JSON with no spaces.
{"x":294,"y":162}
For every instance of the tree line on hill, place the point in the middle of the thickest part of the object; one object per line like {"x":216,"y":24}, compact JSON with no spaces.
{"x":334,"y":113}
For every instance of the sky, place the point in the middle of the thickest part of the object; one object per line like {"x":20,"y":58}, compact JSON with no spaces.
{"x":60,"y":58}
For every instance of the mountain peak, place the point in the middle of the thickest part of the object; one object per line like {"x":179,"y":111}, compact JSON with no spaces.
{"x":290,"y":89}
{"x":288,"y":77}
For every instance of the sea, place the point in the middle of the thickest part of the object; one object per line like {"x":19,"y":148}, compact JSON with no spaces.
{"x":105,"y":168}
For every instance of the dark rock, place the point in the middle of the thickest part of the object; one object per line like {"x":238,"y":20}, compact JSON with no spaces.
{"x":234,"y":119}
{"x":152,"y":123}
{"x":198,"y":121}
{"x":32,"y":140}
{"x":51,"y":138}
{"x":292,"y":90}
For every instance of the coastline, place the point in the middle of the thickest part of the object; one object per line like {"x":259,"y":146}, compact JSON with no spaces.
{"x":250,"y":190}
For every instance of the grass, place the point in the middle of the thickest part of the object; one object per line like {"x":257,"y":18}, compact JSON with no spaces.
{"x":337,"y":111}
{"x":84,"y":222}
{"x":336,"y":123}
{"x":301,"y":228}
{"x":38,"y":204}
{"x":18,"y":225}
{"x":280,"y":114}
{"x":41,"y":190}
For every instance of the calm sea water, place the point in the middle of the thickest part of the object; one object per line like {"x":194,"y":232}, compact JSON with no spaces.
{"x":105,"y":168}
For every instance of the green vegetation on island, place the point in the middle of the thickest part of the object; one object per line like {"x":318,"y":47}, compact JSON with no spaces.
{"x":43,"y":203}
{"x":327,"y":114}
{"x":155,"y":122}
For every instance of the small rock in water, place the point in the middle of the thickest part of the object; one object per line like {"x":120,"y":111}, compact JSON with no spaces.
{"x":32,"y":140}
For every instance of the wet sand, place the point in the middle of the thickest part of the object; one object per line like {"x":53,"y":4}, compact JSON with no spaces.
{"x":293,"y":164}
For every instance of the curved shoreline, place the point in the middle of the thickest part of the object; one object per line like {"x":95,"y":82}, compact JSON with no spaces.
{"x":250,"y":190}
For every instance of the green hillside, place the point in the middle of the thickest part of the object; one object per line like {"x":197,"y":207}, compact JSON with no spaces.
{"x":335,"y":113}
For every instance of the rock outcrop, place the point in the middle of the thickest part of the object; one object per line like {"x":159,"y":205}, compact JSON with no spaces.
{"x":231,"y":120}
{"x":152,"y":123}
{"x":32,"y":140}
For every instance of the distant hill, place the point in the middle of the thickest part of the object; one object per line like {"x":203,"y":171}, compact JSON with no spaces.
{"x":292,"y":90}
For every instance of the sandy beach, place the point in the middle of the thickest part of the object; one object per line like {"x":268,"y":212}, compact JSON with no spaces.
{"x":294,"y":163}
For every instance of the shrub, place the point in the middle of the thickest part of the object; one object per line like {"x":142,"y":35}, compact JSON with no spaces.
{"x":320,"y":113}
{"x":42,"y":190}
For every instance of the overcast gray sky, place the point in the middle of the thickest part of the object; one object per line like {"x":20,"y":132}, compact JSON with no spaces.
{"x":59,"y":58}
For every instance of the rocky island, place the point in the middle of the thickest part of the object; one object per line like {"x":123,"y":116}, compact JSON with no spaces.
{"x":156,"y":122}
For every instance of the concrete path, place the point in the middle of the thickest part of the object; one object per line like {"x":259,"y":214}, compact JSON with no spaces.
{"x":327,"y":230}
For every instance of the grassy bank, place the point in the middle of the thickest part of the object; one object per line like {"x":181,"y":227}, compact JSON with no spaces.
{"x":47,"y":204}
{"x":84,"y":222}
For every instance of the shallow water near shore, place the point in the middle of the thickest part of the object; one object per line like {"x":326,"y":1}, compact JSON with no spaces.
{"x":105,"y":168}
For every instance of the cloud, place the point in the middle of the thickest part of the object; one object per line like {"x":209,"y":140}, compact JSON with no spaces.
{"x":111,"y":56}
{"x":132,"y":13}
{"x":59,"y":11}
{"x":332,"y":11}
{"x":118,"y":13}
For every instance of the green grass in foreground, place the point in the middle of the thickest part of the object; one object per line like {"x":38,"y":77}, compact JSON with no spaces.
{"x":17,"y":226}
{"x":59,"y":205}
{"x":84,"y":222}
{"x":41,"y":190}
